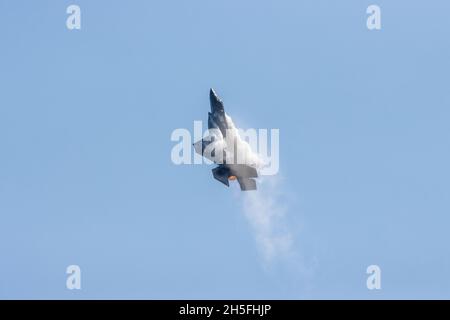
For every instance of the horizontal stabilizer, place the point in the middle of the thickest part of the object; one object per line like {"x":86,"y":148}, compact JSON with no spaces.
{"x":247,"y":184}
{"x":222,"y":174}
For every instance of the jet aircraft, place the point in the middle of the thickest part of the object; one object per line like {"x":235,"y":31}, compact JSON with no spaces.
{"x":212,"y":148}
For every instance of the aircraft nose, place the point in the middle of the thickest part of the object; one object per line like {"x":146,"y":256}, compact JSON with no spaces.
{"x":216,"y":103}
{"x":212,"y":93}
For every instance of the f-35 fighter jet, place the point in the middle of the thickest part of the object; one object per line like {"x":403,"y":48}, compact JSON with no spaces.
{"x":215,"y":148}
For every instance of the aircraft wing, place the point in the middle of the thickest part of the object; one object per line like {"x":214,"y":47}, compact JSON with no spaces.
{"x":221,"y":173}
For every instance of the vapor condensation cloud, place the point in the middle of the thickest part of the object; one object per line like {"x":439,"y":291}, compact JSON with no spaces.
{"x":266,"y":213}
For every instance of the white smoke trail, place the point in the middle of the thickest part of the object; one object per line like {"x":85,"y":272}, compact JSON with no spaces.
{"x":266,"y":213}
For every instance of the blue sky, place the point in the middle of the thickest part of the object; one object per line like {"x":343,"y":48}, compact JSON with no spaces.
{"x":86,"y":176}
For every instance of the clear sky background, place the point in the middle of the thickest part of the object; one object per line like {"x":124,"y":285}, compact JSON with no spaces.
{"x":86,"y":176}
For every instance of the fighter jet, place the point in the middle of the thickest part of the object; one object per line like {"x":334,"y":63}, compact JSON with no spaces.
{"x":227,"y":170}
